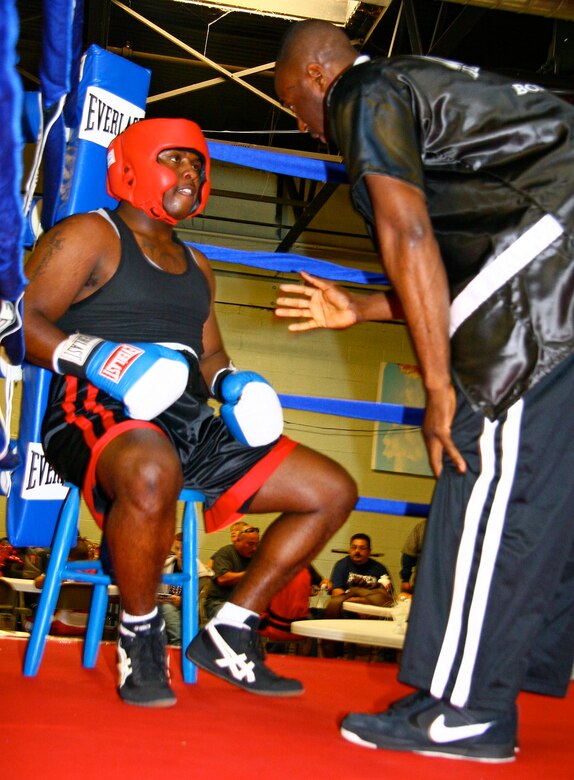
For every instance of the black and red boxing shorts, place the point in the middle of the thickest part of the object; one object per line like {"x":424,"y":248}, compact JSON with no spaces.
{"x":81,"y":420}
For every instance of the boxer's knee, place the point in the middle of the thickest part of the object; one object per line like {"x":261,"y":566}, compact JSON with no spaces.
{"x":154,"y":484}
{"x":147,"y":477}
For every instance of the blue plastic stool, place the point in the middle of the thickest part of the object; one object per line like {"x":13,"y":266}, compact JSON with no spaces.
{"x":60,"y":570}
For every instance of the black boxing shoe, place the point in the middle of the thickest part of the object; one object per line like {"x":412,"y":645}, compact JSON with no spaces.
{"x":143,"y":664}
{"x":436,"y":728}
{"x":233,"y":653}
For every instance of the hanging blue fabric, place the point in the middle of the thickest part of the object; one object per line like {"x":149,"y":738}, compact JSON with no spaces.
{"x":59,"y":69}
{"x":12,"y":281}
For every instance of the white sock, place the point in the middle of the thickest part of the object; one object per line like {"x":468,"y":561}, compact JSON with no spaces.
{"x":232,"y":614}
{"x":127,"y":618}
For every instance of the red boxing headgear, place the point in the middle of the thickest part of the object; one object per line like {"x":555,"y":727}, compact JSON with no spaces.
{"x":135,"y":175}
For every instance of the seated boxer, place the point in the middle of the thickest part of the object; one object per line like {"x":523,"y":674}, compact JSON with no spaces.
{"x":123,"y":313}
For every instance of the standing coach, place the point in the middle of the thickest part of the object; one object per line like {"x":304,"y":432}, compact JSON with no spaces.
{"x":466,"y":182}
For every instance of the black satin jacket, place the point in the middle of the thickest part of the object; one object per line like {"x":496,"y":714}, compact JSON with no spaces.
{"x":495,"y":160}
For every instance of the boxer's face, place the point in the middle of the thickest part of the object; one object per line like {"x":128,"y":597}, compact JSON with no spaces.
{"x":179,"y":200}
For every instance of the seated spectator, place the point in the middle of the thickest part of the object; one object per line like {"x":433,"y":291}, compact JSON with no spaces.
{"x":81,"y":552}
{"x":234,"y":529}
{"x":358,"y":569}
{"x":358,"y":577}
{"x":410,"y":555}
{"x":229,"y":566}
{"x":169,"y":596}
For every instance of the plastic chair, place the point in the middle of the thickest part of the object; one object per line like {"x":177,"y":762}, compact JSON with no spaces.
{"x":60,"y":570}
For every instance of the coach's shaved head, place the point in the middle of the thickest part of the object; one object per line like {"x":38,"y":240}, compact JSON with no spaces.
{"x":315,"y":41}
{"x":311,"y":56}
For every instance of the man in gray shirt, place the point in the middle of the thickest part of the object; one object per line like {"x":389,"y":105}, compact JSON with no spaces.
{"x":229,"y":565}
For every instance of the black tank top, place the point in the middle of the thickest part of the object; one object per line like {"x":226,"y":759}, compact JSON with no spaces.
{"x":141,"y":302}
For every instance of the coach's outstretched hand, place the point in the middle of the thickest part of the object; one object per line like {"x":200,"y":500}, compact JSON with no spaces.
{"x":322,"y":304}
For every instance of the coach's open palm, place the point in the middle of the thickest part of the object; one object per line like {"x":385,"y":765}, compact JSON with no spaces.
{"x":322,"y":304}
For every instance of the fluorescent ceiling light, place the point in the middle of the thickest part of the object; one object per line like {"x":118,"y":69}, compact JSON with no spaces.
{"x":335,"y":11}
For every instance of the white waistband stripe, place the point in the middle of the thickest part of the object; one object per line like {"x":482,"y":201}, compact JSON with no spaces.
{"x":502,"y":268}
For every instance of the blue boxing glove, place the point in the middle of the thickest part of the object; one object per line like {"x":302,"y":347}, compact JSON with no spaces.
{"x":251,"y":409}
{"x":147,"y":378}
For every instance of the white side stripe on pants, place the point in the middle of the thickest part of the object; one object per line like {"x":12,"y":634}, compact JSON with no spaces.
{"x":464,"y":560}
{"x":490,"y":548}
{"x":489,"y":553}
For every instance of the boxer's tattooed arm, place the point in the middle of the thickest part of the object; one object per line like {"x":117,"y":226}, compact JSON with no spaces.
{"x":50,"y":252}
{"x":54,"y":245}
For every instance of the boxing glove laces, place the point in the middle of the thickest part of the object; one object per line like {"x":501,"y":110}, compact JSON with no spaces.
{"x":251,"y":408}
{"x":147,"y":378}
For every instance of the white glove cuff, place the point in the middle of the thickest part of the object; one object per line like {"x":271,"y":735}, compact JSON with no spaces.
{"x":75,"y":350}
{"x":58,"y":354}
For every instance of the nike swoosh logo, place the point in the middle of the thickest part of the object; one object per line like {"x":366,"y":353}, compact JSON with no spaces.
{"x":439,"y":732}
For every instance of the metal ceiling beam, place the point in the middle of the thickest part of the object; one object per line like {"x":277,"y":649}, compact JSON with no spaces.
{"x":190,"y":50}
{"x":385,"y":7}
{"x":128,"y":53}
{"x":210,"y":83}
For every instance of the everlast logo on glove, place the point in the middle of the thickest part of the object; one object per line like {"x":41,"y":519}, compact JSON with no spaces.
{"x":119,"y":361}
{"x":146,"y":378}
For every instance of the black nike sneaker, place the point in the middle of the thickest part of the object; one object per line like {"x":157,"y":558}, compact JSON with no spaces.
{"x":413,"y":702}
{"x":143,"y":664}
{"x":234,"y":653}
{"x":421,"y":724}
